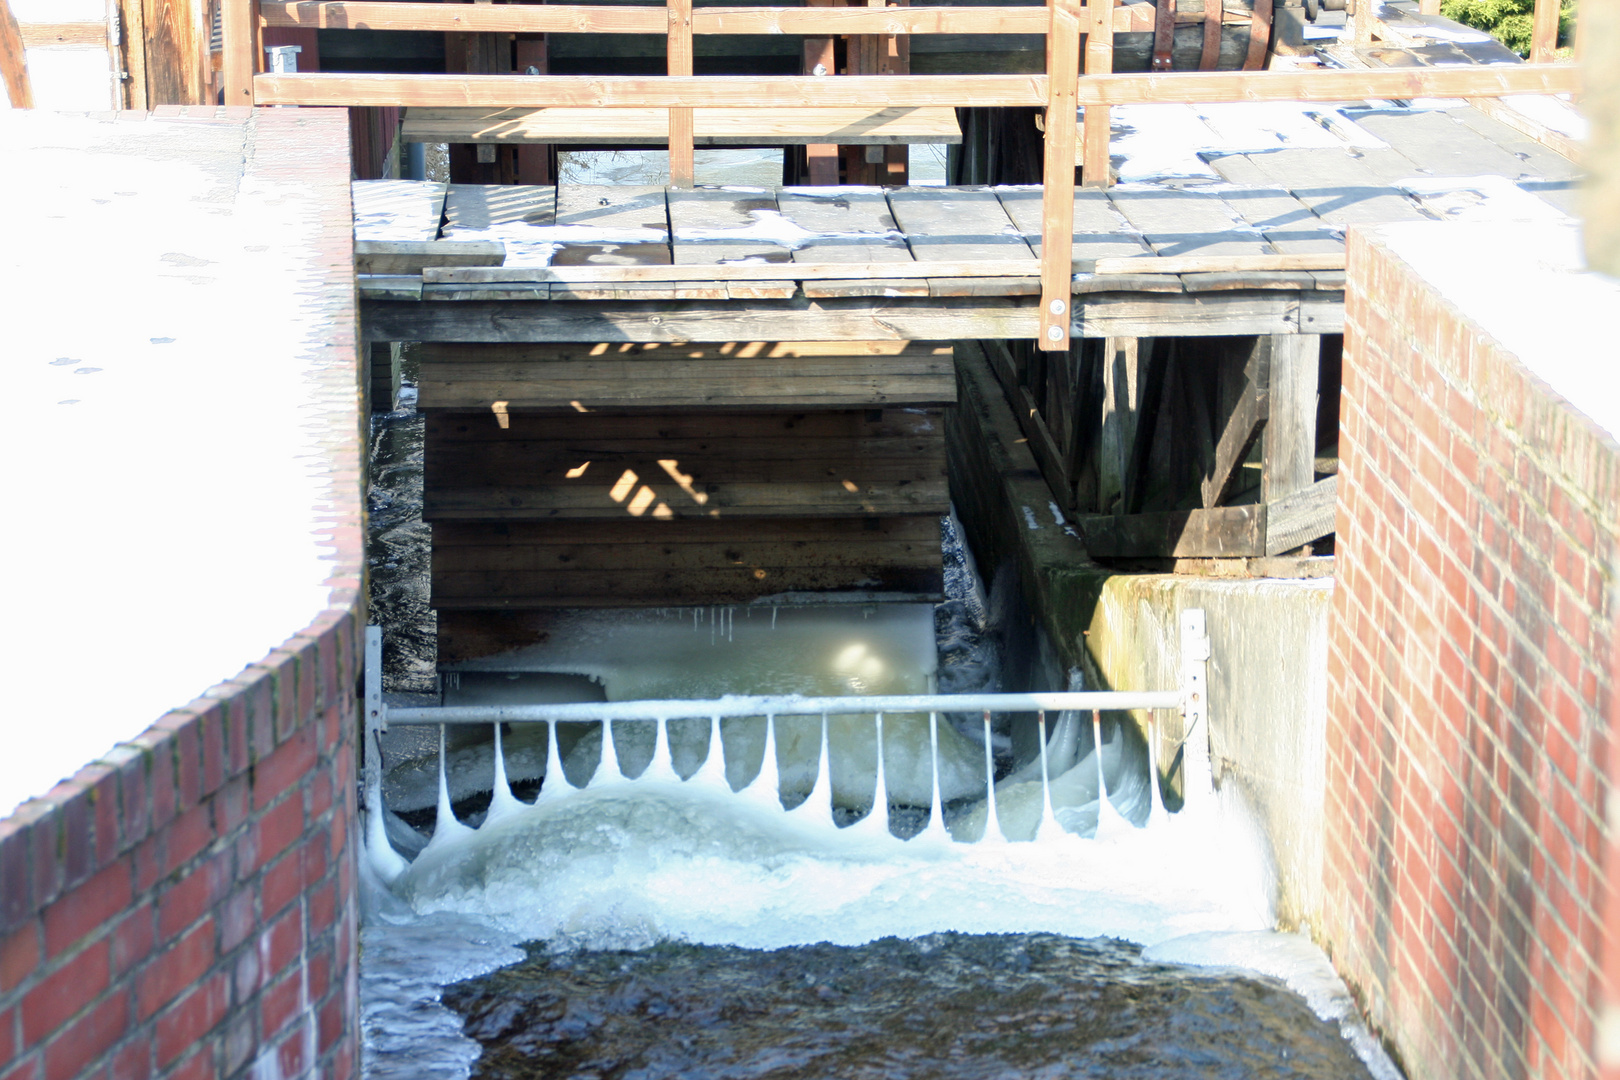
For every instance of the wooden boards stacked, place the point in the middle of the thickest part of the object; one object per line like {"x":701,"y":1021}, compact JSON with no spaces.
{"x":661,"y":475}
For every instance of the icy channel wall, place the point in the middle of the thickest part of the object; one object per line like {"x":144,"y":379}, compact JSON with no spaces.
{"x":1472,"y":655}
{"x":185,"y":905}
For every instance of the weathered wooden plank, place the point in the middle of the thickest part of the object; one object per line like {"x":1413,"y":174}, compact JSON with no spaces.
{"x":1337,"y":188}
{"x":410,"y":257}
{"x":482,"y":206}
{"x":980,"y":286}
{"x":1439,"y":145}
{"x":1301,"y":517}
{"x":829,"y":498}
{"x":852,"y":225}
{"x":710,"y":127}
{"x":392,"y":286}
{"x":1287,"y":281}
{"x":1288,"y":453}
{"x":967,"y":226}
{"x":670,"y":588}
{"x":481,"y":292}
{"x":716,"y":225}
{"x":565,"y":386}
{"x":1226,"y":531}
{"x":884,"y":91}
{"x":701,"y":429}
{"x":1221,"y":264}
{"x":1187,"y":222}
{"x":1100,"y":231}
{"x":763,"y":270}
{"x":1191,"y":315}
{"x":611,"y":225}
{"x":501,"y":553}
{"x":403,"y":210}
{"x":784,"y":535}
{"x":1321,"y":313}
{"x":1243,"y":404}
{"x":829,"y":320}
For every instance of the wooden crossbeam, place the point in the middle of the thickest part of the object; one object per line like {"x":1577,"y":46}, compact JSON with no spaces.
{"x":1219,"y":264}
{"x":591,"y":19}
{"x":466,"y":275}
{"x":884,"y":91}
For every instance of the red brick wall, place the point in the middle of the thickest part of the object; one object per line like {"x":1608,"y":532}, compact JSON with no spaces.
{"x":1471,"y":666}
{"x":186,"y":906}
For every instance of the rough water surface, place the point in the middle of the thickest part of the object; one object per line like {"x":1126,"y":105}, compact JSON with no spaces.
{"x":948,"y":1006}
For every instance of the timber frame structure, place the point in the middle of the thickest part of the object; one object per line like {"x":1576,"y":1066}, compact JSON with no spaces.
{"x":1061,"y":92}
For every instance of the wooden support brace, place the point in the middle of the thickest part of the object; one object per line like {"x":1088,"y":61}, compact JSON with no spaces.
{"x":1057,"y":202}
{"x":1289,"y":449}
{"x":1094,"y":164}
{"x":13,"y":62}
{"x":821,"y":159}
{"x":1209,"y":58}
{"x":681,"y":167}
{"x":239,"y":24}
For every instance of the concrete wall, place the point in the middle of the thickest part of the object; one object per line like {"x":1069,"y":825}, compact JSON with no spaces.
{"x":1267,"y":698}
{"x":1471,"y":701}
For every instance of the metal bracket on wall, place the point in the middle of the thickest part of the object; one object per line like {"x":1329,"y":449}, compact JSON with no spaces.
{"x":1198,"y":784}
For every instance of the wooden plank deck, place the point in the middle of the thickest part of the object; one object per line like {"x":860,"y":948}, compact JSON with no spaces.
{"x":778,"y":254}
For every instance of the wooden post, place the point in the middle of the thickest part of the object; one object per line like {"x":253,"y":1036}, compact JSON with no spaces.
{"x":240,"y":29}
{"x":682,"y":170}
{"x":896,"y":60}
{"x":1057,"y":201}
{"x":533,"y":159}
{"x":1544,"y":31}
{"x":1099,"y":61}
{"x":1289,"y":443}
{"x":13,"y":62}
{"x":821,"y":159}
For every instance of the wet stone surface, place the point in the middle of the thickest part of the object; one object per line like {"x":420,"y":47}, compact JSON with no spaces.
{"x":950,"y":1006}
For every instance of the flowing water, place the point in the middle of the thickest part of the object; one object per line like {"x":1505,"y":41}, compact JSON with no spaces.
{"x":829,"y":897}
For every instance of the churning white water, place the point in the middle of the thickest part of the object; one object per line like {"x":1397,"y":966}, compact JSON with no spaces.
{"x":683,"y":831}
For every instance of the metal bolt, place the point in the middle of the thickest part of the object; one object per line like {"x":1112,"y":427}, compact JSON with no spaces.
{"x":1057,"y":307}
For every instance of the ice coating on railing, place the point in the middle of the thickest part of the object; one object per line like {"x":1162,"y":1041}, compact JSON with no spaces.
{"x":446,"y":829}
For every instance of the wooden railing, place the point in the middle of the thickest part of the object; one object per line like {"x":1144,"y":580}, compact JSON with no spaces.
{"x":1061,"y":91}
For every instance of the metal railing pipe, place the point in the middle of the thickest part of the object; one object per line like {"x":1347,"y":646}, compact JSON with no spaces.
{"x":784,"y":705}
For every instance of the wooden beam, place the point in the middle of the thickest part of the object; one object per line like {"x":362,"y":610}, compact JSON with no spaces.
{"x":1218,"y":264}
{"x":89,"y":34}
{"x":682,"y":170}
{"x":1057,"y":201}
{"x":1227,"y":531}
{"x":805,"y":271}
{"x":1544,"y":31}
{"x":13,"y":61}
{"x":878,"y":91}
{"x":411,"y":257}
{"x":1094,"y":159}
{"x":1249,"y":404}
{"x":591,"y":19}
{"x":681,"y":320}
{"x":240,"y":33}
{"x":1289,"y":452}
{"x":1302,"y":517}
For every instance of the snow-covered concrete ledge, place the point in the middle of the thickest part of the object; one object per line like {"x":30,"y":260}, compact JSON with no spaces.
{"x":184,"y":444}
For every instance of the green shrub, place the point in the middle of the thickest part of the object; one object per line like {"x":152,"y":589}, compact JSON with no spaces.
{"x":1508,"y":21}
